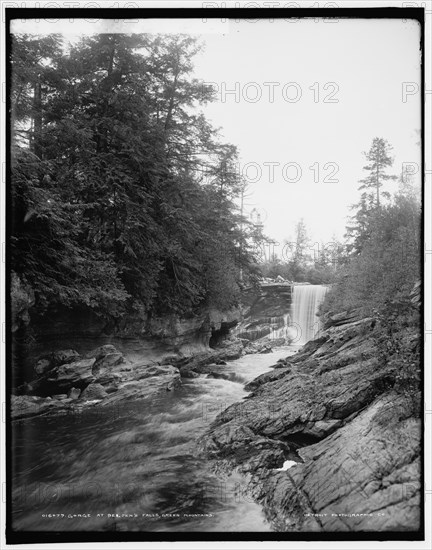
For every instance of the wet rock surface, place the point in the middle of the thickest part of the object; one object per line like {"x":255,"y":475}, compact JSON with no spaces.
{"x":330,"y":408}
{"x":212,"y":361}
{"x":27,"y":406}
{"x":77,"y":374}
{"x":365,"y":476}
{"x":93,"y":391}
{"x":103,"y":377}
{"x":264,"y":309}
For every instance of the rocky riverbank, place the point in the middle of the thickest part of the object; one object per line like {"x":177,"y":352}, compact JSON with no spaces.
{"x":65,"y":382}
{"x":330,"y":445}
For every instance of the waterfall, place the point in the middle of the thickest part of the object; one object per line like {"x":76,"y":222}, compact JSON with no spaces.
{"x":304,"y":321}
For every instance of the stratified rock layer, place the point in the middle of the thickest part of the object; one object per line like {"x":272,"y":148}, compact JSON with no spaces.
{"x":104,"y":377}
{"x":332,"y":409}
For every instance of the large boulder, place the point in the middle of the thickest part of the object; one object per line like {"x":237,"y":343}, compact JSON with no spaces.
{"x":245,"y":450}
{"x":147,"y":371}
{"x":233,"y":349}
{"x":108,"y":378}
{"x":55,"y":359}
{"x":93,"y":392}
{"x":42,"y":366}
{"x":145,"y":382}
{"x":77,"y":374}
{"x":108,"y":362}
{"x":186,"y":373}
{"x":101,"y":352}
{"x":64,"y":356}
{"x":107,"y":357}
{"x":265,"y":345}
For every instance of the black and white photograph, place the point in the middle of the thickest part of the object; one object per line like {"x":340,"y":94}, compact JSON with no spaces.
{"x":216,"y":240}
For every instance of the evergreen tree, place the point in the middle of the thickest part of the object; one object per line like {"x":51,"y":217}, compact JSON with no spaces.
{"x":379,"y":160}
{"x":110,"y":210}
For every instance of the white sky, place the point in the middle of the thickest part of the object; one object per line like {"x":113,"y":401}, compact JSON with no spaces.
{"x":366,"y":61}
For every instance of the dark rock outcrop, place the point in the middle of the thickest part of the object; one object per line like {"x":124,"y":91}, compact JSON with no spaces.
{"x":144,"y":382}
{"x":264,"y":345}
{"x":27,"y":406}
{"x":55,"y":359}
{"x":42,"y":366}
{"x":101,"y":352}
{"x":93,"y":391}
{"x":233,"y":349}
{"x":267,"y":377}
{"x":62,"y":357}
{"x":103,"y":377}
{"x":77,"y":374}
{"x":268,"y":300}
{"x":363,"y":477}
{"x":332,"y":409}
{"x":264,"y":310}
{"x":152,"y":335}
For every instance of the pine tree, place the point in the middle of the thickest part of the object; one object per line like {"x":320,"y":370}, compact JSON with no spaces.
{"x":370,"y":204}
{"x":379,"y":160}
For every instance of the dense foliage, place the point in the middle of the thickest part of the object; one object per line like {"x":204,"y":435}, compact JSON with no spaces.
{"x":383,"y":260}
{"x":303,"y":260}
{"x":381,"y":276}
{"x":122,"y":194}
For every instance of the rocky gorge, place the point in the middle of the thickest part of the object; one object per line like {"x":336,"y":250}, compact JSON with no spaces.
{"x":326,"y":438}
{"x":330,"y":445}
{"x":49,"y":379}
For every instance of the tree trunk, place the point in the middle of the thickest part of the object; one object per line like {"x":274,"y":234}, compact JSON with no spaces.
{"x":377,"y":186}
{"x":106,"y":85}
{"x":37,"y":118}
{"x":171,"y":101}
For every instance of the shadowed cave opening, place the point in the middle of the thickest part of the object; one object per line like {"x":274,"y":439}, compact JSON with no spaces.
{"x":219,"y":335}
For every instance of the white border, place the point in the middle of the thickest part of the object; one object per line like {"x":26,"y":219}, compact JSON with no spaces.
{"x":291,"y":545}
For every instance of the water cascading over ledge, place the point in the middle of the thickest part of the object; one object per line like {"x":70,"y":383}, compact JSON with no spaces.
{"x":282,"y":311}
{"x":306,"y":300}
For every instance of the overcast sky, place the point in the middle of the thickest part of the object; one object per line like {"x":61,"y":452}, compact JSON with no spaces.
{"x":310,"y":93}
{"x":364,"y":64}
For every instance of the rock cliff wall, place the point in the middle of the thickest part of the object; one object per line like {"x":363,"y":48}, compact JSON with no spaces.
{"x":137,"y":337}
{"x":141,"y":335}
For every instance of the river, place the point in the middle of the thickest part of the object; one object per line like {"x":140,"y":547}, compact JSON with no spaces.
{"x":135,"y":467}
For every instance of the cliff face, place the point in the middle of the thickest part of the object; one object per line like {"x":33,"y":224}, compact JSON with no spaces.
{"x":170,"y":332}
{"x":154,"y":338}
{"x":333,"y":410}
{"x":137,"y":337}
{"x":264,"y":310}
{"x":62,"y":327}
